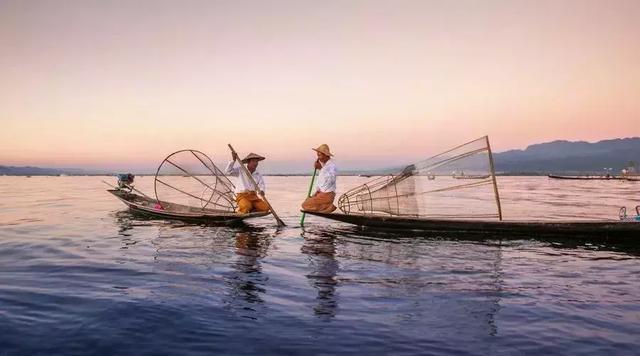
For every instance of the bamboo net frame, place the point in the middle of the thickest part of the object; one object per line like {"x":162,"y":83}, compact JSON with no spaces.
{"x":429,"y":188}
{"x":205,"y":188}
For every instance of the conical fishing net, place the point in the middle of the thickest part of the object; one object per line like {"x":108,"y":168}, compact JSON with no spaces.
{"x":458,"y":183}
{"x":187,"y":181}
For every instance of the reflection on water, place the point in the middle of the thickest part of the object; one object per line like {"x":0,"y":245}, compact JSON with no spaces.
{"x":417,"y":269}
{"x":247,"y":282}
{"x":324,"y":269}
{"x":495,"y":299}
{"x":79,"y":272}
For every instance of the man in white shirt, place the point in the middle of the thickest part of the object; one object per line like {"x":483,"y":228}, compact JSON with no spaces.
{"x":246,"y":195}
{"x":325,"y":191}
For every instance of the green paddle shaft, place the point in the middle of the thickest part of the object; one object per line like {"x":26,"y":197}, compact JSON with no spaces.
{"x":313,"y":178}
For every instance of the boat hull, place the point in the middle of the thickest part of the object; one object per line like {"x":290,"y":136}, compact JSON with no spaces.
{"x":593,"y":178}
{"x":579,"y":230}
{"x":143,"y":205}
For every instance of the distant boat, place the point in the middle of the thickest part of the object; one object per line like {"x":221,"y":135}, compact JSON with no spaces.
{"x":631,"y":172}
{"x":604,"y":177}
{"x":461,"y":175}
{"x":364,"y":175}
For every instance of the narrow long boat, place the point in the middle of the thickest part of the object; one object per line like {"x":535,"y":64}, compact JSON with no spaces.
{"x":188,"y":187}
{"x":553,"y":176}
{"x":408,"y":200}
{"x":604,"y":231}
{"x":464,"y":176}
{"x":166,"y":210}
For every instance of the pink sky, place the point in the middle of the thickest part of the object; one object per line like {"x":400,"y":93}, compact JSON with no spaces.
{"x":123,"y":83}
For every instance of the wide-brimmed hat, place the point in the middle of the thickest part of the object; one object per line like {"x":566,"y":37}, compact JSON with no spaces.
{"x":324,"y":149}
{"x":252,"y":156}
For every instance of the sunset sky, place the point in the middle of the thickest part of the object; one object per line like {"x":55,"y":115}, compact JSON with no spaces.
{"x":120,"y":84}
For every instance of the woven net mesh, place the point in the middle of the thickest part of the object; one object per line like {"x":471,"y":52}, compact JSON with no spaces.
{"x":457,"y":183}
{"x":187,"y":181}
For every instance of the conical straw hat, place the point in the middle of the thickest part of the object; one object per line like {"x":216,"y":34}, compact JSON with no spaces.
{"x":252,"y":156}
{"x":324,"y":148}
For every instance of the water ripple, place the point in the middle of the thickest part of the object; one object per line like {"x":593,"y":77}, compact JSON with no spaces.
{"x":78,"y":272}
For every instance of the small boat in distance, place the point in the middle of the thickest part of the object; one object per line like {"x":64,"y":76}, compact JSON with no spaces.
{"x":629,"y":174}
{"x":605,"y":177}
{"x":461,"y":175}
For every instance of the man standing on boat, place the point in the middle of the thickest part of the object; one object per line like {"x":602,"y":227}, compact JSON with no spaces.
{"x":322,"y":199}
{"x":246,"y":195}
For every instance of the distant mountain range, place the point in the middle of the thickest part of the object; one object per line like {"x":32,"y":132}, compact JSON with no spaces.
{"x":38,"y":171}
{"x":570,"y":157}
{"x":23,"y":171}
{"x":560,"y":156}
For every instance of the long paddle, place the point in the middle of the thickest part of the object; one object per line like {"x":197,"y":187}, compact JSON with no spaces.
{"x":313,"y":178}
{"x":255,"y":186}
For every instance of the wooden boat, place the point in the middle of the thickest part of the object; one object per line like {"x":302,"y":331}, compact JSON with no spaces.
{"x":470,"y":176}
{"x":402,"y":201}
{"x":613,"y":230}
{"x":609,"y":177}
{"x":206,"y":187}
{"x":172,"y":211}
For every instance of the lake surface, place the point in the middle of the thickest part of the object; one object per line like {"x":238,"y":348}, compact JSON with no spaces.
{"x":81,"y":275}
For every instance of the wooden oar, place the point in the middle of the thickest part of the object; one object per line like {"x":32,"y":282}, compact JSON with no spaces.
{"x":313,"y":178}
{"x":255,"y":186}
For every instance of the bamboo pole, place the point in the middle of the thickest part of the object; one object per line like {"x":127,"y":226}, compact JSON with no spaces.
{"x":493,"y":178}
{"x":313,"y":178}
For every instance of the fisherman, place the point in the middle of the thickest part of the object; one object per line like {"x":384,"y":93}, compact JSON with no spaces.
{"x":322,"y":198}
{"x":246,"y":195}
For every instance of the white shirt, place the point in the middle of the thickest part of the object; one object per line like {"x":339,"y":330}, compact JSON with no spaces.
{"x":243,"y":183}
{"x":327,"y":177}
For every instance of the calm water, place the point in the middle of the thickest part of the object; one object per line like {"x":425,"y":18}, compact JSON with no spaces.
{"x":79,"y":274}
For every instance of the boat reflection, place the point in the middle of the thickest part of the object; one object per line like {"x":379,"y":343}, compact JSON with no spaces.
{"x":126,"y":222}
{"x":224,"y":260}
{"x":246,"y":281}
{"x":321,"y":249}
{"x":467,"y":298}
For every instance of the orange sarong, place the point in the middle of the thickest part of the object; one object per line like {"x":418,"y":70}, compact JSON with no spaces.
{"x":249,"y":202}
{"x":321,"y":202}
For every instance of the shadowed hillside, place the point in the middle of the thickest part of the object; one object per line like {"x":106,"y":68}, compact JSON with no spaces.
{"x":566,"y":156}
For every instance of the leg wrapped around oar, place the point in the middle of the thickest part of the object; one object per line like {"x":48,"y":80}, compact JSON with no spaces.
{"x":320,"y":202}
{"x":250,"y":202}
